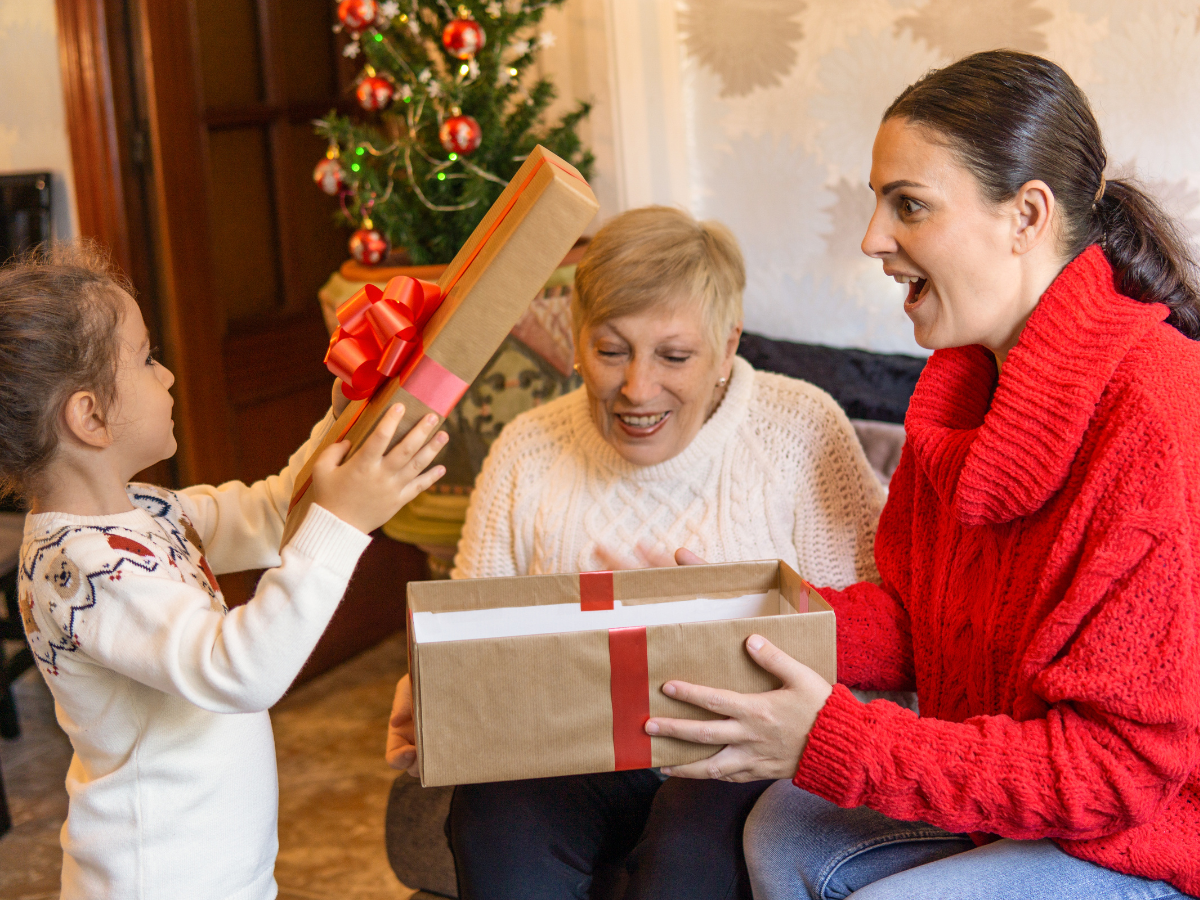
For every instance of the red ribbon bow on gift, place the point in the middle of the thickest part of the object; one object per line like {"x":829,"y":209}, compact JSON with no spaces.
{"x":378,"y":332}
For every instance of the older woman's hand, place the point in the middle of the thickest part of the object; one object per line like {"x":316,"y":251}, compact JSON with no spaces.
{"x":401,"y":752}
{"x":764,"y":734}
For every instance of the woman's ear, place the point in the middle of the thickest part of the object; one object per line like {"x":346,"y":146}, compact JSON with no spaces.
{"x":84,"y":420}
{"x":731,"y":344}
{"x":1033,"y":207}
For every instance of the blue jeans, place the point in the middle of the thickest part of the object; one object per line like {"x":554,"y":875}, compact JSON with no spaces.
{"x":799,"y":846}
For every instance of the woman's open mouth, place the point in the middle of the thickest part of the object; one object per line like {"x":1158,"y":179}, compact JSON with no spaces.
{"x":916,"y":292}
{"x":641,"y":425}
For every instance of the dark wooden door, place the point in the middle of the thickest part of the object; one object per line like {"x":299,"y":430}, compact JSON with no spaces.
{"x":262,"y":70}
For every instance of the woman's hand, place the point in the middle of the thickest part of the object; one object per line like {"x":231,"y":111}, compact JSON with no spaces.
{"x":764,"y":734}
{"x":367,"y":489}
{"x":645,"y":556}
{"x":401,"y":752}
{"x":685,"y":557}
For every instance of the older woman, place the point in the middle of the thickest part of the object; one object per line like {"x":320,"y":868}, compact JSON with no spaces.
{"x":674,"y":441}
{"x":1039,"y":548}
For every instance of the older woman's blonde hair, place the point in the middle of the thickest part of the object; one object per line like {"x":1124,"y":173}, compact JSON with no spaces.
{"x":661,"y":256}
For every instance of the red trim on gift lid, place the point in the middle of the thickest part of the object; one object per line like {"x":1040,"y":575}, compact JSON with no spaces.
{"x":595,"y":591}
{"x":630,"y":688}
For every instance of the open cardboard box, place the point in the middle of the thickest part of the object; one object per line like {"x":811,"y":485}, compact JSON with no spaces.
{"x":545,"y":675}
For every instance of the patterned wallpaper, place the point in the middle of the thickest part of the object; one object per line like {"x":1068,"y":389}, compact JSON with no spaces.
{"x":784,"y":98}
{"x":33,"y":125}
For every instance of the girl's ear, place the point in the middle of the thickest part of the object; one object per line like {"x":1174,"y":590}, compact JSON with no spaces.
{"x":84,"y":420}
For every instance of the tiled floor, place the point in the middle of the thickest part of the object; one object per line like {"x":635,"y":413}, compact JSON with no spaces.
{"x":333,"y":786}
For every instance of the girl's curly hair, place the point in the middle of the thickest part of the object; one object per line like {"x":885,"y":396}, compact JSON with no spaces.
{"x":60,"y":308}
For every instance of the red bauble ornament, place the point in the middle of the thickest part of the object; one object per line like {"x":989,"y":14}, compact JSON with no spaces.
{"x":368,"y":246}
{"x":375,"y":92}
{"x":329,"y":176}
{"x":460,"y":134}
{"x":358,"y":14}
{"x":463,"y":38}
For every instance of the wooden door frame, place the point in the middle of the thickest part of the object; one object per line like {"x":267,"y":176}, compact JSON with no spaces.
{"x":191,"y":325}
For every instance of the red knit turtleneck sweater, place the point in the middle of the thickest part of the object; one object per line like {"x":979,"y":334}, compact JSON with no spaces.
{"x":1039,"y":553}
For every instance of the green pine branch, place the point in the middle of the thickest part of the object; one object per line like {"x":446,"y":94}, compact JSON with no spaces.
{"x":396,"y":172}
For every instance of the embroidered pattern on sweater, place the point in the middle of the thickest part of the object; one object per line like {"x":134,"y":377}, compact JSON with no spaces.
{"x":179,"y":529}
{"x":46,"y":559}
{"x":175,"y":551}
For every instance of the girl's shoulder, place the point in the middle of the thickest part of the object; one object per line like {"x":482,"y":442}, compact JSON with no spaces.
{"x":170,"y":513}
{"x":63,"y":553}
{"x":68,"y":566}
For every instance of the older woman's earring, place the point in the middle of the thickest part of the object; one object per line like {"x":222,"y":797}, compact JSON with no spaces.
{"x":575,"y":366}
{"x":722,"y":380}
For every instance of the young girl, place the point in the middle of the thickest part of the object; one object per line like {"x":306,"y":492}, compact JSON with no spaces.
{"x":161,"y":688}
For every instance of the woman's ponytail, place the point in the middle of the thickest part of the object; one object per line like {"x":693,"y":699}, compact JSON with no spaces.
{"x":1014,"y":118}
{"x":1148,"y":252}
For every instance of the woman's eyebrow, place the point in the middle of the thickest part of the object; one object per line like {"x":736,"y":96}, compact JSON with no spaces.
{"x":896,"y":185}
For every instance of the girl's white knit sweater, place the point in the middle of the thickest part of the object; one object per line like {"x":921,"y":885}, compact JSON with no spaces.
{"x":776,"y":472}
{"x":163,"y":691}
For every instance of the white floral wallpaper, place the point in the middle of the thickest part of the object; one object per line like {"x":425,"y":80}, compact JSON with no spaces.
{"x":784,"y":98}
{"x":33,"y":127}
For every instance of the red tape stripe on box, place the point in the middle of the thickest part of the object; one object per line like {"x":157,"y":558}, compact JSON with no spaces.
{"x":595,"y":590}
{"x":436,"y":387}
{"x":630,"y":680}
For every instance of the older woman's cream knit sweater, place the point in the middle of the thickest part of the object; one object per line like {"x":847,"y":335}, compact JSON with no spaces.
{"x":775,"y":472}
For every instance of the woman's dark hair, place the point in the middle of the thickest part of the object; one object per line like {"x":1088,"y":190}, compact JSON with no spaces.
{"x":60,"y":309}
{"x":1013,"y":118}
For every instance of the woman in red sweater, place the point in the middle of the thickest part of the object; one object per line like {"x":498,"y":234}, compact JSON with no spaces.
{"x":1039,"y":548}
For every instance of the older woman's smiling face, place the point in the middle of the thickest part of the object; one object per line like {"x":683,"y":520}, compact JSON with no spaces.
{"x":651,"y":379}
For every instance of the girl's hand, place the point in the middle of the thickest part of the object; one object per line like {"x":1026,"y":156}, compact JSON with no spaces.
{"x":764,"y":734}
{"x":367,"y":489}
{"x":401,"y":752}
{"x":340,"y":400}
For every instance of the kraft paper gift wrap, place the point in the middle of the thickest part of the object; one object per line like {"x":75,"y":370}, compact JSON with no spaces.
{"x":545,"y":675}
{"x":485,"y":289}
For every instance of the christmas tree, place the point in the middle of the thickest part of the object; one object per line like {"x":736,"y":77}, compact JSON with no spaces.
{"x":453,"y":120}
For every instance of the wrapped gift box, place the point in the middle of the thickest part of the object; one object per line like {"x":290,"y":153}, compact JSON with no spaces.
{"x":486,"y":288}
{"x":547,"y":675}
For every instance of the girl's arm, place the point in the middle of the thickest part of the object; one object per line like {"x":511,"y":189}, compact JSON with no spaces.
{"x":153,"y":617}
{"x":128,"y":610}
{"x":241,"y":525}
